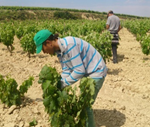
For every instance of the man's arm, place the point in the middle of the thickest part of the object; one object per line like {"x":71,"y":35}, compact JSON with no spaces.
{"x":107,"y":26}
{"x":65,"y":73}
{"x":76,"y":68}
{"x":108,"y":23}
{"x":119,"y":28}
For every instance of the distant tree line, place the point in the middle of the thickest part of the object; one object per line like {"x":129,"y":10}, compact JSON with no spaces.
{"x":19,"y":12}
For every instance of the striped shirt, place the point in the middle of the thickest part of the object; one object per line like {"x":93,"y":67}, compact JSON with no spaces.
{"x":78,"y":59}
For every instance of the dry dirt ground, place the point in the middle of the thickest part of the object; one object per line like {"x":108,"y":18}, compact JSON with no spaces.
{"x":123,"y":101}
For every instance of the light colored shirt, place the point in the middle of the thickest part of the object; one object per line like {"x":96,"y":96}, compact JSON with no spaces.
{"x":79,"y":58}
{"x":114,"y":22}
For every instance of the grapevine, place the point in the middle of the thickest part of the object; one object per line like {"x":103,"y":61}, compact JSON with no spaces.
{"x":7,"y":36}
{"x":64,"y":107}
{"x":28,"y":44}
{"x":9,"y":94}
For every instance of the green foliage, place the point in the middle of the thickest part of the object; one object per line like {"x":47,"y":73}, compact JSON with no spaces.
{"x":140,"y":28}
{"x":22,"y":13}
{"x":27,"y":43}
{"x":65,"y":107}
{"x":33,"y":123}
{"x":9,"y":94}
{"x":19,"y":31}
{"x":145,"y":44}
{"x":50,"y":74}
{"x":137,"y":27}
{"x":7,"y":36}
{"x":104,"y":45}
{"x":25,"y":86}
{"x":138,"y":37}
{"x":64,"y":15}
{"x":88,"y":30}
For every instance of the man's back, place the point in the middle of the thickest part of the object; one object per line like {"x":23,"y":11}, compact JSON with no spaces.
{"x":114,"y":22}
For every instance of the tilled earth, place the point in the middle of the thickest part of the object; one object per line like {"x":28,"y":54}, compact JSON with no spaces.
{"x":123,"y":101}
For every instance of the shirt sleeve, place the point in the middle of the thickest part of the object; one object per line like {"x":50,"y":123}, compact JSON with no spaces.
{"x":108,"y":21}
{"x":65,"y":72}
{"x":73,"y":67}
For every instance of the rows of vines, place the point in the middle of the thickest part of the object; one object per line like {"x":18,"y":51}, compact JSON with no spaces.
{"x":92,"y":31}
{"x":140,"y":28}
{"x":56,"y":100}
{"x":59,"y":104}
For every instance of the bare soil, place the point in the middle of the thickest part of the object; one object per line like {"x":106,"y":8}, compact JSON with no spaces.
{"x":123,"y":101}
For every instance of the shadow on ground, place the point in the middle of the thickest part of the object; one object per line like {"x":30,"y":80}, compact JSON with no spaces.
{"x":27,"y":101}
{"x":146,"y":58}
{"x":120,"y":57}
{"x":114,"y":71}
{"x":109,"y":118}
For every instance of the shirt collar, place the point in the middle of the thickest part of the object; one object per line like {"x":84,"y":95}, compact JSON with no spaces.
{"x":61,"y":46}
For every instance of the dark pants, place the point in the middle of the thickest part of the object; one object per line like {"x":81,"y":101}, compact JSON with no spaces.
{"x":115,"y":42}
{"x":114,"y":51}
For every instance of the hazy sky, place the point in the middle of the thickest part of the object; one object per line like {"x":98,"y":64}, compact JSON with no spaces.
{"x":131,"y":7}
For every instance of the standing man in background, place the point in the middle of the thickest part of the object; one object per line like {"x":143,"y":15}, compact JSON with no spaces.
{"x":113,"y":25}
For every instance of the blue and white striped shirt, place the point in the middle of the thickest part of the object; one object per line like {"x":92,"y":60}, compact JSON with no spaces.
{"x":78,"y":59}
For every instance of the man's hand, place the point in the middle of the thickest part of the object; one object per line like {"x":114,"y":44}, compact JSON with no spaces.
{"x":107,"y":26}
{"x":119,"y":28}
{"x":63,"y":84}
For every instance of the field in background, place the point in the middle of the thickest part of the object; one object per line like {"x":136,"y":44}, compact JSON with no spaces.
{"x":23,"y":13}
{"x":124,"y":98}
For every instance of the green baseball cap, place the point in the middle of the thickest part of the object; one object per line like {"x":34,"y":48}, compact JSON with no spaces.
{"x":40,"y":37}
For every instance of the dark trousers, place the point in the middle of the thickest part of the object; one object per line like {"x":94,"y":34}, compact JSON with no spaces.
{"x":115,"y":42}
{"x":114,"y":51}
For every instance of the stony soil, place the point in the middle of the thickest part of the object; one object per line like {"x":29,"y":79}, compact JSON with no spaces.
{"x":123,"y":101}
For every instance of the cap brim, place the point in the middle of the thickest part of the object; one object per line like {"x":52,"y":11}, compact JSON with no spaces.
{"x":38,"y":49}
